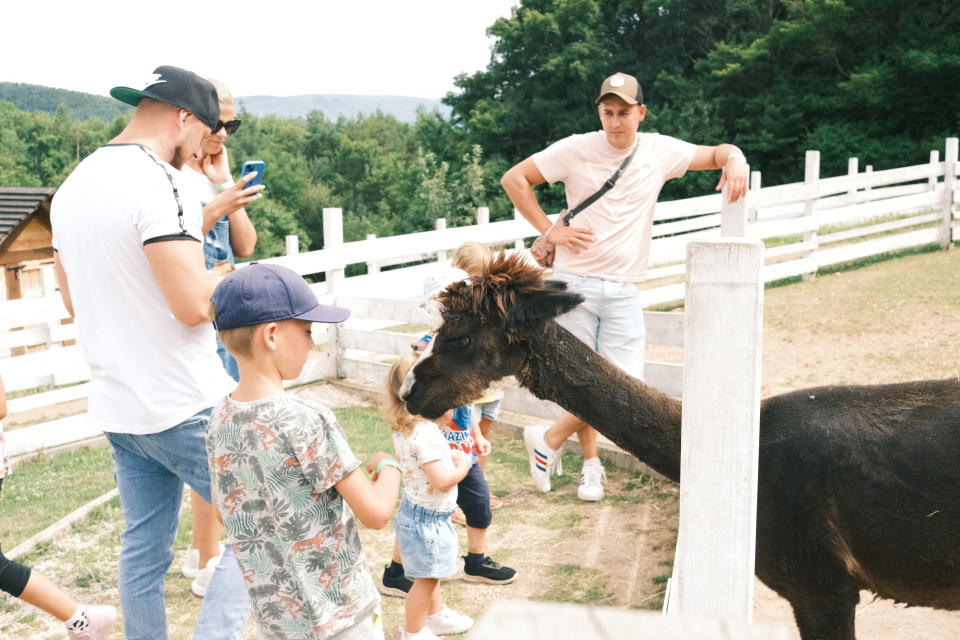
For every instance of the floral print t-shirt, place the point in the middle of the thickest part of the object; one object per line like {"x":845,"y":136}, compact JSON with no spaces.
{"x":273,"y":466}
{"x":424,"y":444}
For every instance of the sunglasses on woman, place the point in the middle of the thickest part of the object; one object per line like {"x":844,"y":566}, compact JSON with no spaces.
{"x":230,"y":127}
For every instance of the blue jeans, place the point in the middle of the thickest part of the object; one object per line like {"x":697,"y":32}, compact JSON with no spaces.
{"x":150,"y":473}
{"x":609,"y":321}
{"x":216,"y":249}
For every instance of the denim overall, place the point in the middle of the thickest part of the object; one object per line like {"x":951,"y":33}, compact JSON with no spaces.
{"x":216,"y":248}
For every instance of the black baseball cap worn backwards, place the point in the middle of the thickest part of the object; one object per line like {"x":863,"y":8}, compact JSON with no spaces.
{"x":178,"y":87}
{"x":259,"y":293}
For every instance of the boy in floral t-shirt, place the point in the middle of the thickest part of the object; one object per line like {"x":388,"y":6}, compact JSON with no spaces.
{"x":284,"y":478}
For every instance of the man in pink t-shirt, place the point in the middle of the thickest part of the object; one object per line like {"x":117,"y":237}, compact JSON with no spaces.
{"x":606,"y":248}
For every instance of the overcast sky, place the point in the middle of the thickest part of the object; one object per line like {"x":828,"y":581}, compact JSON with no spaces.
{"x":262,"y":47}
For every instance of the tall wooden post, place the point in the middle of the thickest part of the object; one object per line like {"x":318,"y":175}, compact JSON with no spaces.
{"x":721,"y":430}
{"x":853,"y":168}
{"x":441,"y":225}
{"x":933,"y":180}
{"x":333,"y":241}
{"x":811,"y":176}
{"x":949,"y":185}
{"x":752,"y":212}
{"x":733,"y":216}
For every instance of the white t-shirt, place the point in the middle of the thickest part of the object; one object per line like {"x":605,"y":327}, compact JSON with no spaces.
{"x":424,"y":444}
{"x":199,"y":185}
{"x":623,"y":218}
{"x":149,"y":371}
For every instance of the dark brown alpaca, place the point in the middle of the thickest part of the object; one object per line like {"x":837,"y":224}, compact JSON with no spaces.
{"x":859,"y":486}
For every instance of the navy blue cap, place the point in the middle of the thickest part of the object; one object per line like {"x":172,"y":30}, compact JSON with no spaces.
{"x":259,"y":293}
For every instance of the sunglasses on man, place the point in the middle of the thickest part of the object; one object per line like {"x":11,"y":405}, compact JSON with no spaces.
{"x":230,"y":127}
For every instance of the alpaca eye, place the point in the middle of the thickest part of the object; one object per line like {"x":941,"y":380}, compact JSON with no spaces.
{"x":460,"y":343}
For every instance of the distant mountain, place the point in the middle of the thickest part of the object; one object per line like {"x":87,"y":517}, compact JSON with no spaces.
{"x":83,"y":106}
{"x":402,"y":108}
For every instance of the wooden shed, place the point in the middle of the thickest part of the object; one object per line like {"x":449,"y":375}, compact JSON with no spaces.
{"x":26,"y":238}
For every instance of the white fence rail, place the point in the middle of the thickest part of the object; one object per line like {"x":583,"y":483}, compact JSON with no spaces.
{"x":834,"y":220}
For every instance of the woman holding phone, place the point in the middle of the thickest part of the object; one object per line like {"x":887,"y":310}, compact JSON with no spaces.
{"x":228,"y":232}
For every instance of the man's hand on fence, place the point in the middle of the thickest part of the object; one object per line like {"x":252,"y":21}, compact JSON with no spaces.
{"x":736,"y":175}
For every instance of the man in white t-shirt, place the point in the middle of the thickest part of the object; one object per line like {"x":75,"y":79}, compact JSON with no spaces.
{"x":130,"y":265}
{"x":606,"y":248}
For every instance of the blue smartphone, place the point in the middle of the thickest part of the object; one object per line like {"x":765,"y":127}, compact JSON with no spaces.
{"x":250,"y":166}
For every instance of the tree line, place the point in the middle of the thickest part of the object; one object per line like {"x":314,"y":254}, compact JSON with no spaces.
{"x":873,"y":79}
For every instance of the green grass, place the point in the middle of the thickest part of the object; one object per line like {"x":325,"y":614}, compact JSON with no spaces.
{"x":40,"y":492}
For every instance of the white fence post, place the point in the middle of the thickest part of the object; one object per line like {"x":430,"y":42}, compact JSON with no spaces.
{"x":293,"y":245}
{"x":372,"y":267}
{"x":733,"y":216}
{"x":868,"y":188}
{"x":48,"y":287}
{"x":853,"y":168}
{"x":483,"y":215}
{"x":811,"y":176}
{"x":949,"y":184}
{"x":333,"y":239}
{"x":752,"y":211}
{"x":932,"y":181}
{"x":441,"y":225}
{"x":721,"y":430}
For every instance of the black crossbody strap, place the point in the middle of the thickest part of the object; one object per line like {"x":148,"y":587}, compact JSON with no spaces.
{"x":606,"y":187}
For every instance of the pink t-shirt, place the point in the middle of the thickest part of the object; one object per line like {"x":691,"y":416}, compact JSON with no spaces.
{"x":623,"y":218}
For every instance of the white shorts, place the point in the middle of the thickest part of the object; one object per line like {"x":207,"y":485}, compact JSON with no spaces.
{"x":609,"y":321}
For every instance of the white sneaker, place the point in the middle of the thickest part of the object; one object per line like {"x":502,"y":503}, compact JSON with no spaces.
{"x":592,"y":479}
{"x":543,"y":460}
{"x":191,"y":564}
{"x":423,"y":634}
{"x":97,"y":623}
{"x":202,"y":581}
{"x":448,"y":621}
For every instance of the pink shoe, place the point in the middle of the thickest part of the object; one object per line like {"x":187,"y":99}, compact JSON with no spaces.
{"x":99,"y":623}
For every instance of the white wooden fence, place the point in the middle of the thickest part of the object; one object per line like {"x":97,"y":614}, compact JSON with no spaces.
{"x":825,"y":221}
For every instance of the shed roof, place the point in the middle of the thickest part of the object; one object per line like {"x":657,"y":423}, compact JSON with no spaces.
{"x":18,"y":203}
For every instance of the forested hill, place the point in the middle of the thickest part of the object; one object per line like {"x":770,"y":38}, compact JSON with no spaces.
{"x":403,"y":108}
{"x":83,"y":106}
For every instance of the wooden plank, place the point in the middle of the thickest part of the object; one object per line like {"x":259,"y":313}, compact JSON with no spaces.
{"x":796,"y":247}
{"x":661,"y":295}
{"x":395,"y":344}
{"x":701,"y":205}
{"x":48,"y":398}
{"x":876,"y":228}
{"x":840,"y":184}
{"x":315,"y":369}
{"x":364,"y":370}
{"x":664,"y":376}
{"x":562,"y":621}
{"x":788,"y":269}
{"x":721,"y":430}
{"x":877,"y":246}
{"x":664,"y":328}
{"x":789,"y":226}
{"x":50,"y":434}
{"x":400,"y":310}
{"x":868,"y":210}
{"x":689,"y":224}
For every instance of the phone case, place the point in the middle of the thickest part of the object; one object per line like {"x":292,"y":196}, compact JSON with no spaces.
{"x":253,"y":165}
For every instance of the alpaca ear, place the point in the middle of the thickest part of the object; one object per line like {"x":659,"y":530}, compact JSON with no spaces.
{"x":534,"y":309}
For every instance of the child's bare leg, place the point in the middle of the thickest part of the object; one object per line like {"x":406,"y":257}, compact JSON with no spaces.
{"x":45,"y":595}
{"x":206,"y":529}
{"x":485,"y":425}
{"x":396,"y":551}
{"x":476,"y":540}
{"x":423,"y":600}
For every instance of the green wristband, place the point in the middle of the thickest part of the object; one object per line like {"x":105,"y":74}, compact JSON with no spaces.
{"x":389,"y":463}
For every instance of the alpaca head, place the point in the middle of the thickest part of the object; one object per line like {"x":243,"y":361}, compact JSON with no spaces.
{"x":485,"y":329}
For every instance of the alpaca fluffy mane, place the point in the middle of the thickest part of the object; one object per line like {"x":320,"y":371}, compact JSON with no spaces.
{"x":500,"y":285}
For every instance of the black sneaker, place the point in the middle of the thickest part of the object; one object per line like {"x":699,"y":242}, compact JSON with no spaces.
{"x":488,"y":571}
{"x":395,"y":586}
